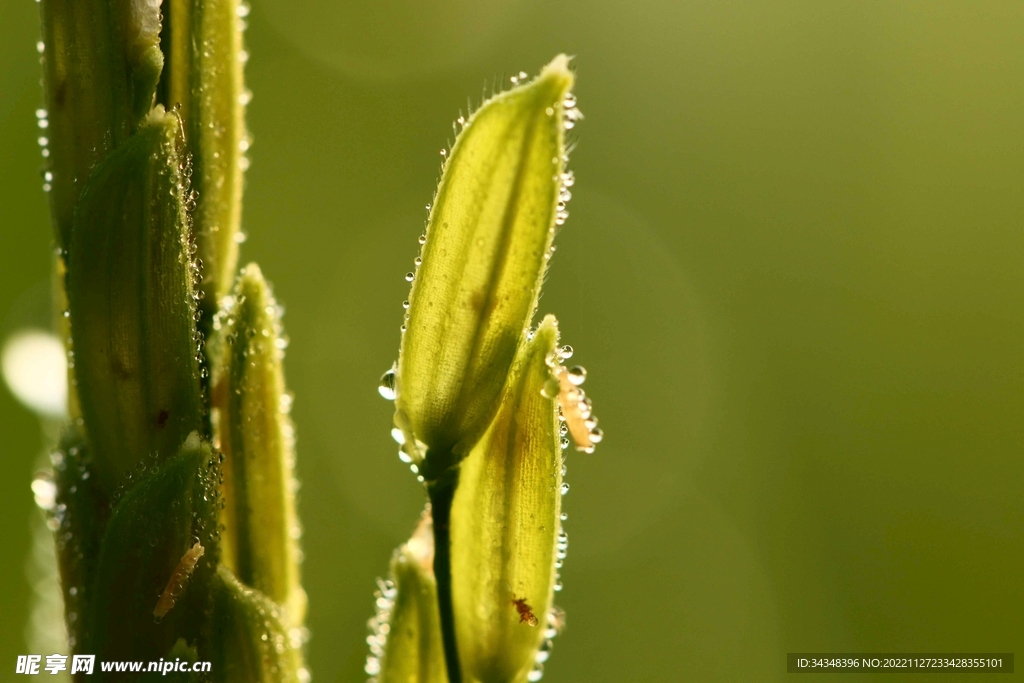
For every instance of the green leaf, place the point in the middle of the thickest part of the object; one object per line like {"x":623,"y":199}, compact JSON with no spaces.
{"x":257,"y":437}
{"x":251,"y":640}
{"x":406,"y":646}
{"x":151,"y":583}
{"x":101,"y":63}
{"x":205,"y":80}
{"x":131,"y":300}
{"x":505,"y":523}
{"x":487,"y":245}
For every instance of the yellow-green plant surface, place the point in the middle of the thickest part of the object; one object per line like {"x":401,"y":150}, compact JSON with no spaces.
{"x":174,"y":511}
{"x":175,"y":477}
{"x":792,"y":269}
{"x":480,"y":396}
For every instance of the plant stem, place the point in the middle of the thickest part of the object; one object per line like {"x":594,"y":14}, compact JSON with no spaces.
{"x":442,"y":494}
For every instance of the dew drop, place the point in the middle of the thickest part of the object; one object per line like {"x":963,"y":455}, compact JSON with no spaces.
{"x":409,"y":277}
{"x":577,"y":375}
{"x":565,"y":488}
{"x":565,"y":352}
{"x":386,"y":388}
{"x":423,"y":239}
{"x":45,"y":492}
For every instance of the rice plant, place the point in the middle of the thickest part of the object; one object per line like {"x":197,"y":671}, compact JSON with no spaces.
{"x":172,"y":492}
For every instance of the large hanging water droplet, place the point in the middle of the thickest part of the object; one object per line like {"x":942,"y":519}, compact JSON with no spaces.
{"x":577,"y":375}
{"x":387,"y":384}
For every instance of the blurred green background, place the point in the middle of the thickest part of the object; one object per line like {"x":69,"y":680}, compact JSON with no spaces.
{"x":794,"y":269}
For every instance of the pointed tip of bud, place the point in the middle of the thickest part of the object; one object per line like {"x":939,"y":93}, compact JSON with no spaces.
{"x":251,"y":272}
{"x":193,"y":441}
{"x":420,"y":547}
{"x":547,"y":332}
{"x":557,"y":71}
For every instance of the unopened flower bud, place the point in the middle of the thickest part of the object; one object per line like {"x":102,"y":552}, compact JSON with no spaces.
{"x":405,"y":646}
{"x":488,"y":238}
{"x":132,"y":304}
{"x":260,"y":541}
{"x":505,"y":524}
{"x":154,"y":564}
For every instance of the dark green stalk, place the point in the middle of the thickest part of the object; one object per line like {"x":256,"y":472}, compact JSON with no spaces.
{"x":442,"y":494}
